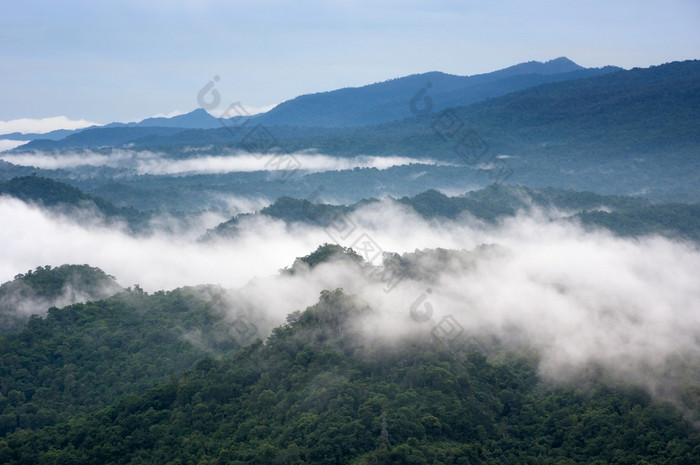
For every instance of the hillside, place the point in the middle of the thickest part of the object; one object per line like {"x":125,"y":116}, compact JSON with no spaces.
{"x":315,"y":392}
{"x":391,"y":100}
{"x":35,"y":291}
{"x":64,"y":198}
{"x":100,"y":137}
{"x":614,"y":119}
{"x":196,"y":119}
{"x":625,"y":216}
{"x":83,"y":357}
{"x":627,"y":133}
{"x":650,"y":112}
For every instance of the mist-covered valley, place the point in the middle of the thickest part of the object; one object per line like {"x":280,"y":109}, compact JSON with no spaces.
{"x":516,"y":270}
{"x":361,"y":294}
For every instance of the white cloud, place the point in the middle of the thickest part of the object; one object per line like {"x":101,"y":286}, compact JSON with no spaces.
{"x":161,"y":261}
{"x":50,"y":161}
{"x":577,"y":298}
{"x":154,"y":163}
{"x":42,"y":125}
{"x":165,"y":115}
{"x":260,"y":162}
{"x":10,"y":144}
{"x":236,"y":204}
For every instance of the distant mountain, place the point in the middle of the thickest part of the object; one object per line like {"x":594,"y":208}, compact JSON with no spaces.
{"x":114,"y":136}
{"x":555,"y":66}
{"x":631,"y":127}
{"x":391,"y":100}
{"x":628,"y":132}
{"x":196,"y":119}
{"x":620,"y":113}
{"x":58,"y":134}
{"x":370,"y":104}
{"x":654,"y":109}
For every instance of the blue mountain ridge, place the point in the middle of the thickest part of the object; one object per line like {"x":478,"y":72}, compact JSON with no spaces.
{"x":371,"y":104}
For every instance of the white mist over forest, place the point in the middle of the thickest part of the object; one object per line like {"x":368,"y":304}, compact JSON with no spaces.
{"x":576,"y":297}
{"x":148,"y":162}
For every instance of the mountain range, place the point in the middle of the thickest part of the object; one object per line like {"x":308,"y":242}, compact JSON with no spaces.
{"x":625,"y":216}
{"x":615,"y":113}
{"x":370,"y":104}
{"x":389,"y":100}
{"x":625,"y":132}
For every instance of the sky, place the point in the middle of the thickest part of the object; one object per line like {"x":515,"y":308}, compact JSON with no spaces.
{"x":71,"y":64}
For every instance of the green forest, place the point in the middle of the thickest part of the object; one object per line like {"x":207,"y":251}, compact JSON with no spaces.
{"x":83,"y":357}
{"x":624,"y":216}
{"x":313,"y":392}
{"x":168,"y":378}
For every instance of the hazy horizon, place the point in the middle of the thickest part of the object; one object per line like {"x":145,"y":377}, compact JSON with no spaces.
{"x":107,"y":62}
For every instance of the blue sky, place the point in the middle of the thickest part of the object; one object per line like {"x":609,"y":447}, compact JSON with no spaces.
{"x":123,"y":61}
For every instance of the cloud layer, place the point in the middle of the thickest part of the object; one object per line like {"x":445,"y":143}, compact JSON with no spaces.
{"x":42,"y":125}
{"x":6,"y":144}
{"x":144,"y":162}
{"x":575,"y":299}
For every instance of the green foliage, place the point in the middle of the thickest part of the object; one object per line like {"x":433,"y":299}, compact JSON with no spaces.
{"x":50,"y":282}
{"x":83,"y":357}
{"x":627,"y":216}
{"x":44,"y":191}
{"x":670,"y":219}
{"x":68,"y":199}
{"x":34,"y":292}
{"x":315,"y":392}
{"x":324,"y":253}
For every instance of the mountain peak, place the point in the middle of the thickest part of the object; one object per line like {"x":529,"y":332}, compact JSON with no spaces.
{"x":555,"y":66}
{"x":198,"y":118}
{"x":562,"y":65}
{"x":560,"y":61}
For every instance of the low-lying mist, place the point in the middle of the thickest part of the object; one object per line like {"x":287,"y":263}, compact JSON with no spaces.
{"x":578,"y":299}
{"x":148,"y":162}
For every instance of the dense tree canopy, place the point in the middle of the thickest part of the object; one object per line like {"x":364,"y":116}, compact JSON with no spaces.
{"x":83,"y":357}
{"x":315,"y":392}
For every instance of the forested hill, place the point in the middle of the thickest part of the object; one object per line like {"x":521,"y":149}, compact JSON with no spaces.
{"x":50,"y":193}
{"x":64,"y":198}
{"x":83,"y":357}
{"x":35,"y":291}
{"x":316,"y":392}
{"x":626,"y":216}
